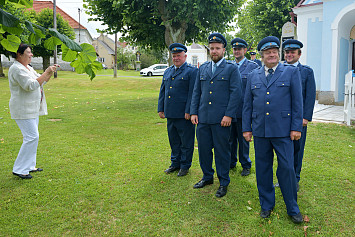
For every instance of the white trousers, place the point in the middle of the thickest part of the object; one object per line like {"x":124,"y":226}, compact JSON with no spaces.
{"x":26,"y":158}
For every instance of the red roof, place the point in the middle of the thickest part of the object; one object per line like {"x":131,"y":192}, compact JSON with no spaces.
{"x":39,"y":5}
{"x":122,"y":44}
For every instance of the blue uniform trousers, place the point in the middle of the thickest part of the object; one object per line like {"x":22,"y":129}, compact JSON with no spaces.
{"x":215,"y":136}
{"x":238,"y":143}
{"x":264,"y":157}
{"x":298,"y":152}
{"x":181,"y":134}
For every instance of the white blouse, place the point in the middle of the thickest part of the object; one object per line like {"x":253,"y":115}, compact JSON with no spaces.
{"x":27,"y":101}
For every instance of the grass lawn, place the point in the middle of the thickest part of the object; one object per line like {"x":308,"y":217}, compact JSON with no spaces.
{"x":103,"y":149}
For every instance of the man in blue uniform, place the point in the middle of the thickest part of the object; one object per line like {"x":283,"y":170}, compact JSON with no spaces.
{"x":272,"y":113}
{"x":216,"y":97}
{"x":238,"y":143}
{"x":253,"y":58}
{"x":174,"y":104}
{"x":292,"y":50}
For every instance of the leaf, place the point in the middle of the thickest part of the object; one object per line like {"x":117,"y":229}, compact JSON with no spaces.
{"x":21,"y":3}
{"x":90,"y":71}
{"x":78,"y":65}
{"x":68,"y":54}
{"x":14,"y":30}
{"x":51,"y":43}
{"x":2,"y":31}
{"x":97,"y":65}
{"x":11,"y":43}
{"x":29,"y":26}
{"x":88,"y":54}
{"x":68,"y":42}
{"x":8,"y":19}
{"x":40,"y":31}
{"x":34,"y":39}
{"x":26,"y":3}
{"x":306,"y":219}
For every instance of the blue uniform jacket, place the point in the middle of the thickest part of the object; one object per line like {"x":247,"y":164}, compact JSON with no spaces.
{"x":176,"y":91}
{"x":308,"y":90}
{"x":216,"y":96}
{"x":244,"y":70}
{"x":274,"y":109}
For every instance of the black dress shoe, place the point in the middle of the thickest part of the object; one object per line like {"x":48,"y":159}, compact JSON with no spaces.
{"x":297,"y":218}
{"x":245,"y":172}
{"x":36,"y":170}
{"x":171,"y":169}
{"x":222,"y":191}
{"x":265,"y":214}
{"x":182,"y":172}
{"x":202,"y":183}
{"x":23,"y":176}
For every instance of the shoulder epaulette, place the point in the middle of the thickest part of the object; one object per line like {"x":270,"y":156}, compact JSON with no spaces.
{"x":306,"y":66}
{"x":204,"y":64}
{"x":252,"y":62}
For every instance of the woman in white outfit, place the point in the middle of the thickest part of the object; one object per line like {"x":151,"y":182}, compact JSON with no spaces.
{"x":27,"y":102}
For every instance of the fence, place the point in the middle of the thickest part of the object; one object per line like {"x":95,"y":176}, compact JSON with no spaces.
{"x":349,"y":97}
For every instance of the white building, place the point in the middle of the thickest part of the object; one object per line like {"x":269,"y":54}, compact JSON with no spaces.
{"x":197,"y":54}
{"x":327,"y":30}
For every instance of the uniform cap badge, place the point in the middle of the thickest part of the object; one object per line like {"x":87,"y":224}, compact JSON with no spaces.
{"x":214,"y":37}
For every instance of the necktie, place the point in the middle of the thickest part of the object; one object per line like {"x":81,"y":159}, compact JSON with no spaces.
{"x":214,"y":68}
{"x":271,"y":73}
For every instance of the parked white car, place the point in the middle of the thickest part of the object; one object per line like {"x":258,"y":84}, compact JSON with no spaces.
{"x":154,"y":70}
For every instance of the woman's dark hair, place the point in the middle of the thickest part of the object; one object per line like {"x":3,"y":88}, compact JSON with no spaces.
{"x":21,"y":49}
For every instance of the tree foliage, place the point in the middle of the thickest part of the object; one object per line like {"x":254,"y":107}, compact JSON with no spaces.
{"x":158,"y":23}
{"x":13,"y":31}
{"x":153,"y":56}
{"x":22,"y":16}
{"x":261,"y":18}
{"x":45,"y":19}
{"x":125,"y":59}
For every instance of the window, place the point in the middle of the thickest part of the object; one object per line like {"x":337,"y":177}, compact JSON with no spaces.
{"x":101,"y":60}
{"x":195,"y":61}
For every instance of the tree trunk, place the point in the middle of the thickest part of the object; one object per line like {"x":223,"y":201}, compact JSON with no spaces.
{"x":174,"y":33}
{"x":2,"y":74}
{"x":46,"y":62}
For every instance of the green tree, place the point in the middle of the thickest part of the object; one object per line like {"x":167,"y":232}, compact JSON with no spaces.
{"x":45,"y":19}
{"x":261,"y":18}
{"x":158,"y":23}
{"x":125,"y":58}
{"x":229,"y":49}
{"x":153,"y":56}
